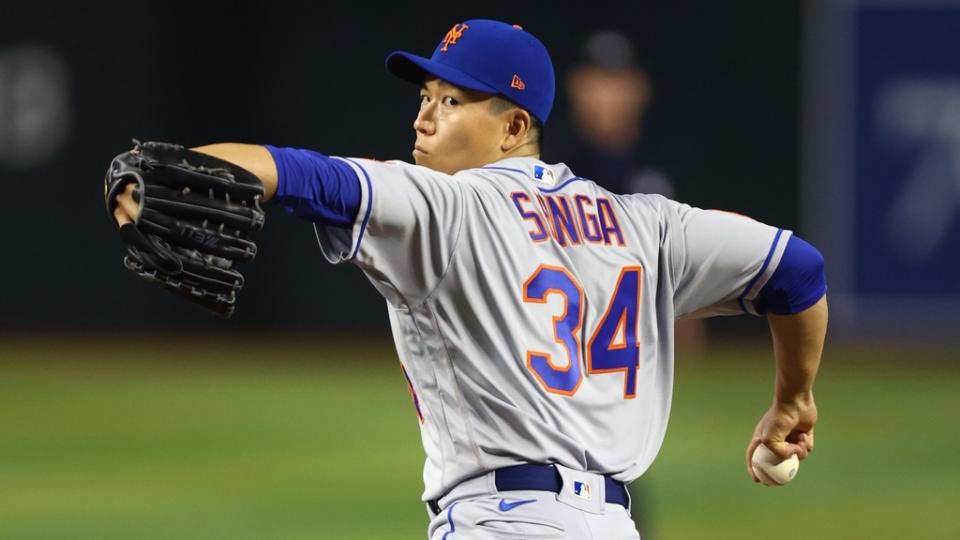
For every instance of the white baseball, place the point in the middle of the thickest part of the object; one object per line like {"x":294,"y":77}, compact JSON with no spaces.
{"x":770,"y":469}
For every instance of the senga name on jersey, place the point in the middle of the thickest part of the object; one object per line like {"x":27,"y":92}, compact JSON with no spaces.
{"x":570,"y":220}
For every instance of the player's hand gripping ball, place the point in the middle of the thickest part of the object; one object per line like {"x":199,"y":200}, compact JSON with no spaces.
{"x":770,"y":469}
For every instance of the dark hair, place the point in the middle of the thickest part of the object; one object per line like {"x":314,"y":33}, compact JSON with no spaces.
{"x":499,"y":104}
{"x":537,"y":125}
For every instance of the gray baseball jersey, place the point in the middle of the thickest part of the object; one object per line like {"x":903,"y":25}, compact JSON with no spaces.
{"x":533,"y":310}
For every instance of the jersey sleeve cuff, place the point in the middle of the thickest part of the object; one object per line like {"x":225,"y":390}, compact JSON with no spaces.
{"x":747,"y":299}
{"x":337,"y":244}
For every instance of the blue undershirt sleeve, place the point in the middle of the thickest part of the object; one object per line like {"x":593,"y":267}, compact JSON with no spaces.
{"x":316,"y":187}
{"x":797,"y":283}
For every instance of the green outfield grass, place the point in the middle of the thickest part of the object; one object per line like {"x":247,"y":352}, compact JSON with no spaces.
{"x":175,"y":440}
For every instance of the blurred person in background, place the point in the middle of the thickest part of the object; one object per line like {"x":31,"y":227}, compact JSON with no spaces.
{"x":609,"y":96}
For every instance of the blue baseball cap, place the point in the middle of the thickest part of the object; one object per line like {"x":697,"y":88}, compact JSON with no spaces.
{"x":487,"y":56}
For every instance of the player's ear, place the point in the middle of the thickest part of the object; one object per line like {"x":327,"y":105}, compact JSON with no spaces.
{"x":517,"y":126}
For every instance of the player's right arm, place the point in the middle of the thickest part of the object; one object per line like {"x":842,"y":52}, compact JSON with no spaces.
{"x":787,"y":426}
{"x":724,"y":263}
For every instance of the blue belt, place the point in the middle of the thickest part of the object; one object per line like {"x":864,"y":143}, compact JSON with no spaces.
{"x":533,"y":477}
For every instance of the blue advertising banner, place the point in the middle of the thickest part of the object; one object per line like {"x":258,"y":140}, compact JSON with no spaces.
{"x":883,"y":167}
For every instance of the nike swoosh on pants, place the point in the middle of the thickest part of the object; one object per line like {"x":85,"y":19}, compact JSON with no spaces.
{"x":506,"y":506}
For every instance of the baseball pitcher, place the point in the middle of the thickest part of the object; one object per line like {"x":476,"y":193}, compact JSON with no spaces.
{"x":532,"y":310}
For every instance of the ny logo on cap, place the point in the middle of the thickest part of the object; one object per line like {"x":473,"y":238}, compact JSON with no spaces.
{"x":453,"y":35}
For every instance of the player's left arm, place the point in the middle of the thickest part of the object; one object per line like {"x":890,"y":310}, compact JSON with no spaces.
{"x":399,"y":221}
{"x":252,"y":157}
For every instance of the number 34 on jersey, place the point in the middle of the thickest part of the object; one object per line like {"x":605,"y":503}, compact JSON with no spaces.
{"x":613,"y":347}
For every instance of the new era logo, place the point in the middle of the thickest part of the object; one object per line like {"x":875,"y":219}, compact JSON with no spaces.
{"x":517,"y":83}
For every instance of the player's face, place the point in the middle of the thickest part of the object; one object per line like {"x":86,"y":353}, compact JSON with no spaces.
{"x":456,"y":128}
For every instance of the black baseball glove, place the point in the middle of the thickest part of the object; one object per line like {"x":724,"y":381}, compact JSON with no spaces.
{"x":194,"y":224}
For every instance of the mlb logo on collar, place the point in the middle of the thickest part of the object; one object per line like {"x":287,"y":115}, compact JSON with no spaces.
{"x":544,"y":175}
